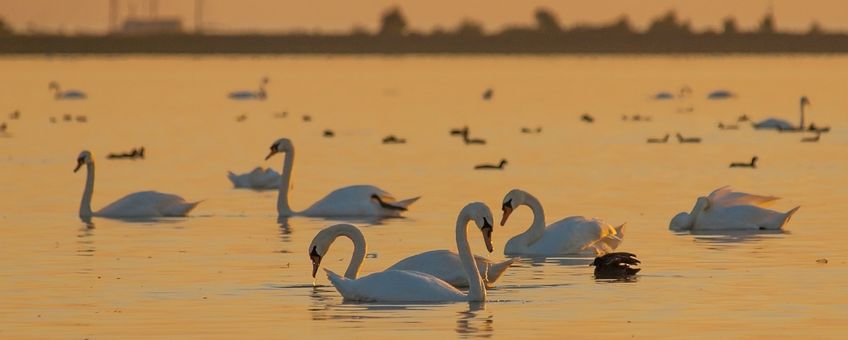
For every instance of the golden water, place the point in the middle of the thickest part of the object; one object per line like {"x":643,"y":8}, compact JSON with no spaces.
{"x":231,"y":271}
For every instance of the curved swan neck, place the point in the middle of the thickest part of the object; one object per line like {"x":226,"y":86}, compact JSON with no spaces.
{"x":283,"y":208}
{"x":476,"y":290}
{"x":85,"y":204}
{"x":700,"y":205}
{"x":801,"y":127}
{"x":359,"y":248}
{"x":537,"y":229}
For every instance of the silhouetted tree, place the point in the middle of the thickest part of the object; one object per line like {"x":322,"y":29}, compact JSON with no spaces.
{"x":546,"y":21}
{"x":815,"y":28}
{"x":5,"y":29}
{"x":620,"y":26}
{"x":767,"y":24}
{"x":668,"y":25}
{"x":393,"y":24}
{"x":730,"y":26}
{"x":469,"y":28}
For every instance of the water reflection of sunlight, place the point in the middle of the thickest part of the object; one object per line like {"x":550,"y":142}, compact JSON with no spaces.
{"x":712,"y":237}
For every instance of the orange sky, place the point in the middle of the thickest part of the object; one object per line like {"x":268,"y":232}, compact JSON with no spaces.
{"x":334,"y":15}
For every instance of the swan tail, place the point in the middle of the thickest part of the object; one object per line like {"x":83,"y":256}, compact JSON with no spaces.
{"x":497,"y":269}
{"x":789,"y":214}
{"x":180,"y":210}
{"x":233,"y":177}
{"x":338,"y":281}
{"x":406,"y":203}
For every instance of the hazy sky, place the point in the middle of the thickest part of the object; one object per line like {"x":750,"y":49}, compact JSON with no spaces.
{"x":334,"y":15}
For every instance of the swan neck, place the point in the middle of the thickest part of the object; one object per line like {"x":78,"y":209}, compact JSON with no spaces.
{"x":476,"y":290}
{"x":801,"y":127}
{"x":85,"y":203}
{"x":700,"y":205}
{"x":283,"y":208}
{"x":537,"y":229}
{"x":359,"y":249}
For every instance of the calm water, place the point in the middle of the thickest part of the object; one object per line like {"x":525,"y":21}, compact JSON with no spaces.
{"x":231,"y":270}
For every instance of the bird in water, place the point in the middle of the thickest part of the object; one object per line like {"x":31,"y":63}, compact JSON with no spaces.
{"x":487,"y":95}
{"x":460,"y":131}
{"x":615,"y":266}
{"x":469,"y":140}
{"x":329,"y":133}
{"x":500,"y":166}
{"x":752,"y":165}
{"x":683,"y":140}
{"x":587,"y":118}
{"x":659,"y":140}
{"x":392,"y":139}
{"x":529,"y":130}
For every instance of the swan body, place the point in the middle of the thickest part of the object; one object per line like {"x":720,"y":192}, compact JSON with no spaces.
{"x":414,"y":286}
{"x":783,"y":125}
{"x":144,"y":204}
{"x":350,"y":201}
{"x":258,"y":179}
{"x":67,"y":94}
{"x":572,"y":235}
{"x":725,"y":209}
{"x":447,"y":266}
{"x":246,"y":95}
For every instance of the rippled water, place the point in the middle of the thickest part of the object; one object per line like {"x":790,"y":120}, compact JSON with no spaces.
{"x":231,"y":270}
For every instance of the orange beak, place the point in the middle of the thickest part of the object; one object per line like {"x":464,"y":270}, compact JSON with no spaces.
{"x":506,"y":212}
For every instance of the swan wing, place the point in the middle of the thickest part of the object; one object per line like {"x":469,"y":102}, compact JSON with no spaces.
{"x":447,"y":266}
{"x":395,"y":286}
{"x":356,"y":200}
{"x":741,"y":217}
{"x":773,"y":123}
{"x":147,"y":204}
{"x":571,"y":235}
{"x":725,"y":196}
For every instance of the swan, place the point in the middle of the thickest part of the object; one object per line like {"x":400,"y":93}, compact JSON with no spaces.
{"x":615,"y":266}
{"x":572,"y":235}
{"x":58,"y":94}
{"x":258,"y":179}
{"x":414,"y":286}
{"x":246,"y":94}
{"x":136,"y":205}
{"x":725,"y":209}
{"x":443,"y":264}
{"x":782,"y":125}
{"x":500,"y":166}
{"x":350,"y":201}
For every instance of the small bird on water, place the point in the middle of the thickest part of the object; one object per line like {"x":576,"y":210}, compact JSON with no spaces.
{"x":752,"y":165}
{"x":615,"y":266}
{"x":500,"y":166}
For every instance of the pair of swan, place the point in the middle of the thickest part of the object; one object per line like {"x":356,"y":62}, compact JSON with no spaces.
{"x":258,"y":179}
{"x":783,"y":125}
{"x":144,"y":204}
{"x":247,"y":94}
{"x":413,"y":285}
{"x":724,"y":209}
{"x":350,"y":201}
{"x":58,"y":94}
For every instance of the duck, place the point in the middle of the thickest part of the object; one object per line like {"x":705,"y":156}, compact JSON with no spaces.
{"x":257,"y":179}
{"x":725,"y":209}
{"x":392,"y":139}
{"x":783,"y":125}
{"x":144,"y":204}
{"x":349,"y":201}
{"x":135,"y":153}
{"x":752,"y":165}
{"x":446,"y":265}
{"x":251,"y":95}
{"x":684,"y":140}
{"x":587,"y":118}
{"x":410,"y":286}
{"x":529,"y":130}
{"x":329,"y":133}
{"x":487,"y":95}
{"x":58,"y":94}
{"x":615,"y":266}
{"x":472,"y":141}
{"x":659,"y":140}
{"x":500,"y":166}
{"x":459,"y":131}
{"x":571,"y":235}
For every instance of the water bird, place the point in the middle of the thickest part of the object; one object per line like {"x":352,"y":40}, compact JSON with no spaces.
{"x":728,"y":126}
{"x":663,"y":96}
{"x":752,"y":164}
{"x":241,"y":118}
{"x":459,"y":132}
{"x":350,"y":201}
{"x":725,"y":209}
{"x":499,"y":166}
{"x":683,"y":140}
{"x":783,"y":125}
{"x":720,"y":94}
{"x":66,"y":117}
{"x":392,"y":139}
{"x":307,"y":118}
{"x":487,"y":95}
{"x":468,"y":140}
{"x":445,"y":265}
{"x":587,"y":118}
{"x":257,"y":179}
{"x":615,"y":266}
{"x":248,"y":95}
{"x":415,"y":286}
{"x":529,"y":130}
{"x":814,"y":128}
{"x":329,"y":133}
{"x":58,"y":94}
{"x":135,"y":153}
{"x":814,"y":139}
{"x":15,"y":115}
{"x":659,"y":140}
{"x":572,"y":235}
{"x":142,"y":204}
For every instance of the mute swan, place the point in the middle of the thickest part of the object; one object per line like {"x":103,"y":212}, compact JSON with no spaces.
{"x":572,"y":235}
{"x":782,"y":125}
{"x":443,"y":264}
{"x":136,"y":205}
{"x":58,"y":94}
{"x":258,"y":179}
{"x":350,"y":201}
{"x":244,"y":95}
{"x":615,"y":266}
{"x":500,"y":166}
{"x":414,"y":286}
{"x":753,"y":163}
{"x":725,"y":209}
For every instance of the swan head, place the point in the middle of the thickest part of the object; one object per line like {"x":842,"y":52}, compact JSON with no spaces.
{"x":513,"y":199}
{"x":805,"y":101}
{"x":482,"y":216}
{"x":84,"y":158}
{"x":282,"y":145}
{"x":680,"y":222}
{"x":321,"y":244}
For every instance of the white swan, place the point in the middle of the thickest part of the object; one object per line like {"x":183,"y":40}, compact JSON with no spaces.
{"x":413,"y":286}
{"x":136,"y":205}
{"x":572,"y":235}
{"x":725,"y":209}
{"x":783,"y":125}
{"x":67,"y":94}
{"x":259,"y":95}
{"x":443,"y":264}
{"x":350,"y":201}
{"x":258,"y":179}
